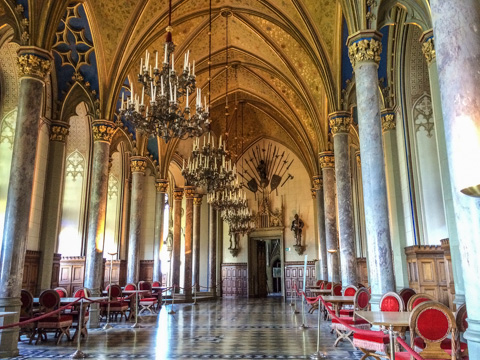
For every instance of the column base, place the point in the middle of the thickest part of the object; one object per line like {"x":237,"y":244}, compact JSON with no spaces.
{"x":472,"y":335}
{"x":93,"y":320}
{"x":375,"y":301}
{"x":9,"y":337}
{"x":459,"y":299}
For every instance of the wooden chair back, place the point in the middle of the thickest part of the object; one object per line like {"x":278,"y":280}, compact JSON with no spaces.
{"x":391,"y":301}
{"x":62,"y":292}
{"x":337,"y":289}
{"x":406,"y":294}
{"x":350,"y":290}
{"x":49,"y":300}
{"x":82,"y":292}
{"x":417,"y":299}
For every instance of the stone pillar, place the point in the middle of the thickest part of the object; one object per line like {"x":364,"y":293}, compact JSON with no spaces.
{"x":125,"y":216}
{"x":161,"y":185}
{"x":327,"y":163}
{"x":189,"y":195}
{"x":212,"y":243}
{"x":359,"y":213}
{"x":457,"y":47}
{"x":102,"y":136}
{"x":429,"y":52}
{"x":138,"y":165}
{"x":197,"y":209}
{"x":52,"y":205}
{"x":364,"y":51}
{"x":34,"y":65}
{"x":394,"y":193}
{"x":177,"y":232}
{"x":322,"y":248}
{"x":340,"y":126}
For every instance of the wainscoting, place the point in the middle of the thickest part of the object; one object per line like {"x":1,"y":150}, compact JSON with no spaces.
{"x":294,"y":275}
{"x":30,"y":271}
{"x":146,"y":270}
{"x":234,"y":280}
{"x":119,"y":273}
{"x":72,"y":273}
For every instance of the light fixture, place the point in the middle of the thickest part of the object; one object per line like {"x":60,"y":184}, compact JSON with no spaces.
{"x":163,"y":116}
{"x":473,"y":191}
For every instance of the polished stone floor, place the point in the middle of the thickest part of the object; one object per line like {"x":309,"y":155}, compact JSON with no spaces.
{"x":222,"y":329}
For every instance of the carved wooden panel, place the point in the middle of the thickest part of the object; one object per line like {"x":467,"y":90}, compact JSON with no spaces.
{"x":449,"y":273}
{"x":146,"y":270}
{"x":119,"y":273}
{"x":294,"y":275}
{"x":234,"y":280}
{"x":428,"y":272}
{"x":362,"y":271}
{"x":72,"y":272}
{"x":30,"y":271}
{"x":55,"y":271}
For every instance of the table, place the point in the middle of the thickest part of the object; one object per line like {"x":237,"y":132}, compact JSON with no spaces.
{"x":321,"y":291}
{"x":338,"y":301}
{"x":158,"y":290}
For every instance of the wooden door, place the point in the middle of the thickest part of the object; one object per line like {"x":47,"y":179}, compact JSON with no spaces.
{"x":262,"y":269}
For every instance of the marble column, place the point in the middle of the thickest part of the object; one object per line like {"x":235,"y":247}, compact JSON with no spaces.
{"x":138,"y":165}
{"x":457,"y":48}
{"x":102,"y":134}
{"x":340,"y":126}
{"x":212,"y":244}
{"x":395,"y":201}
{"x":127,"y":188}
{"x":52,"y":205}
{"x":429,"y":52}
{"x":327,"y":163}
{"x":189,"y":195}
{"x":161,"y":185}
{"x":34,"y":65}
{"x":322,"y":248}
{"x":364,"y":51}
{"x":177,"y":233}
{"x":197,"y":209}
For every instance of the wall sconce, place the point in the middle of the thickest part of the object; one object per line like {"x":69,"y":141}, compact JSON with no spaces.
{"x":473,"y":191}
{"x":299,"y":249}
{"x":332,"y":251}
{"x":234,"y":246}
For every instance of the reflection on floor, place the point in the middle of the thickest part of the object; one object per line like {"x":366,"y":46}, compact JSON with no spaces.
{"x":223,"y":329}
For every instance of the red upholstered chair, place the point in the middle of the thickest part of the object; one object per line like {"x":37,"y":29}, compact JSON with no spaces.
{"x":417,"y":299}
{"x":328,"y":286}
{"x":59,"y":323}
{"x":26,"y":313}
{"x":406,"y":294}
{"x":391,"y":301}
{"x":337,"y":289}
{"x":146,"y":301}
{"x":117,"y":306}
{"x":82,"y":292}
{"x":62,"y":292}
{"x":432,"y":322}
{"x":156,"y":284}
{"x":349,"y":291}
{"x":130,"y":287}
{"x":361,"y":302}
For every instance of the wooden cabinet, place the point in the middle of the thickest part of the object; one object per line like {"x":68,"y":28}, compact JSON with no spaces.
{"x":146,"y":270}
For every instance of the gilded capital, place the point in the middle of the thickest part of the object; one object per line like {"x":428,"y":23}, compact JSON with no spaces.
{"x":314,"y":193}
{"x":32,"y":65}
{"x":327,"y":160}
{"x":189,"y":192}
{"x":428,"y":48}
{"x":317,"y":182}
{"x":103,"y":130}
{"x":178,"y":194}
{"x":340,"y":122}
{"x":364,"y":47}
{"x":197,"y":200}
{"x":388,"y":121}
{"x":138,"y":164}
{"x":59,"y":132}
{"x":358,"y":158}
{"x":161,"y":185}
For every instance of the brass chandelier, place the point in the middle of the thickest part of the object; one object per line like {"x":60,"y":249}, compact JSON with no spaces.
{"x":163,"y":116}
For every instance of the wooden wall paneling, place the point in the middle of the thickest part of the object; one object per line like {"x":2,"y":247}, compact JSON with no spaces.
{"x":294,"y":275}
{"x":146,"y":270}
{"x":362,"y":271}
{"x":234,"y":280}
{"x":30,"y":271}
{"x":450,"y":283}
{"x":56,"y":271}
{"x":119,"y":273}
{"x":72,"y":271}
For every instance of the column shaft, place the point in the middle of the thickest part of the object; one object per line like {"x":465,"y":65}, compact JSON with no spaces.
{"x":125,"y":218}
{"x":52,"y":205}
{"x":177,"y":232}
{"x":327,"y":163}
{"x":457,"y":46}
{"x":364,"y":51}
{"x":212,"y":243}
{"x":138,"y":166}
{"x":33,"y":70}
{"x":161,"y":186}
{"x":340,"y":125}
{"x":322,"y":249}
{"x":189,"y":194}
{"x":197,"y":209}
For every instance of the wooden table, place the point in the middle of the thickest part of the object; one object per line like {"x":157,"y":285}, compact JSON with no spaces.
{"x":386,"y":318}
{"x":339,"y":301}
{"x":321,"y":291}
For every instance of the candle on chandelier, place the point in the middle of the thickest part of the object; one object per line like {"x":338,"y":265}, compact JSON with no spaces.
{"x":193,"y":70}
{"x":183,"y":164}
{"x":175,"y":94}
{"x":123,"y":99}
{"x":156,"y":59}
{"x":161,"y":82}
{"x":186,"y":100}
{"x":143,"y":94}
{"x":170,"y":88}
{"x":147,"y":58}
{"x":141,"y":66}
{"x":173,"y":62}
{"x":165,"y":60}
{"x":220,"y":142}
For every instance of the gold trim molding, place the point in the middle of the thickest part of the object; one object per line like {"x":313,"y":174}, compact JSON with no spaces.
{"x":103,"y":130}
{"x":178,"y":194}
{"x":161,"y":185}
{"x":31,"y":65}
{"x":189,"y":192}
{"x":340,"y":122}
{"x":388,"y":121}
{"x":327,"y":160}
{"x":428,"y":46}
{"x":138,"y":164}
{"x":197,"y":200}
{"x":59,"y":132}
{"x":317,"y":182}
{"x":364,"y":46}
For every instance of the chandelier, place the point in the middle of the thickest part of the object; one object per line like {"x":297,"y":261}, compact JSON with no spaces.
{"x":207,"y":166}
{"x":240,"y":220}
{"x":163,"y":116}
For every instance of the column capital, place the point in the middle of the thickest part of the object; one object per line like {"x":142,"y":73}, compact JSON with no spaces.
{"x":178,"y":194}
{"x":340,"y":122}
{"x":103,"y":130}
{"x":138,"y":164}
{"x":34,"y":62}
{"x":59,"y":131}
{"x":314,"y":193}
{"x":161,"y":185}
{"x":364,"y":46}
{"x":327,"y":160}
{"x":388,"y":120}
{"x":428,"y":46}
{"x":189,"y":192}
{"x":317,"y":182}
{"x":197,"y":199}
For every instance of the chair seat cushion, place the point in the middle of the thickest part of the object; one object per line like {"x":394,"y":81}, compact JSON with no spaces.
{"x":350,"y":321}
{"x":346,"y":312}
{"x":373,"y":342}
{"x":148,"y":299}
{"x":383,"y":339}
{"x":446,"y":344}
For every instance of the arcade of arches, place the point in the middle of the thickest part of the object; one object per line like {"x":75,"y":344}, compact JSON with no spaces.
{"x":376,"y":102}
